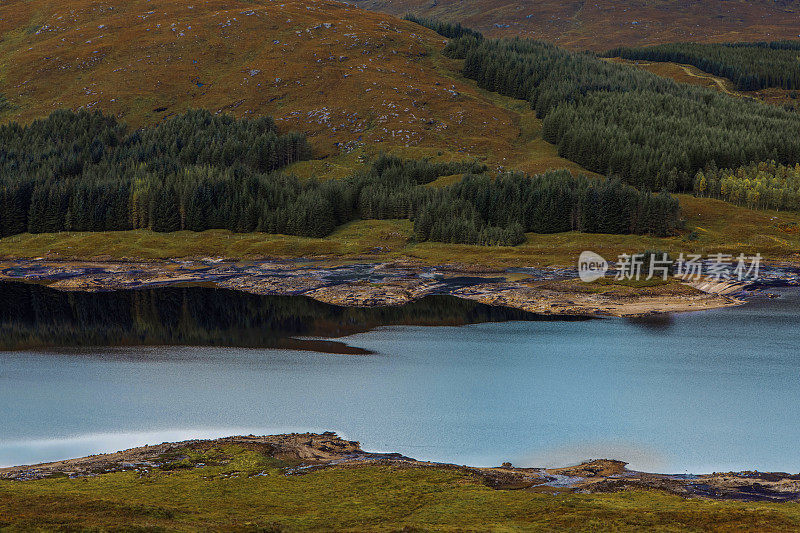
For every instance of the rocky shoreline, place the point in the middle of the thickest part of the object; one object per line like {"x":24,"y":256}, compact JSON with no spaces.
{"x":547,"y":291}
{"x":306,"y":452}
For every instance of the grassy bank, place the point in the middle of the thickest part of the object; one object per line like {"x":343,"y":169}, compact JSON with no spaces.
{"x":231,"y":497}
{"x":712,"y":226}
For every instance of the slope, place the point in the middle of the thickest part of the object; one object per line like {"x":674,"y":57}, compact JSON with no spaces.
{"x":348,"y":77}
{"x":605,"y":23}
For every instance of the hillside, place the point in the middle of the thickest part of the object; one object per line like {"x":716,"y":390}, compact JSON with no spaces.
{"x":345,"y":76}
{"x":357,"y":82}
{"x":694,"y":76}
{"x":320,"y":482}
{"x":606,"y":23}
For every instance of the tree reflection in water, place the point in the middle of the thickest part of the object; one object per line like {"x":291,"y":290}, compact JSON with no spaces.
{"x":35,"y":316}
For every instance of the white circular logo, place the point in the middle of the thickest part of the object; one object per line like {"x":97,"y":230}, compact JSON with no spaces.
{"x":591,"y":266}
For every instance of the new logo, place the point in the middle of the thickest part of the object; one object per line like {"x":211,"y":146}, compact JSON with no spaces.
{"x":591,"y":266}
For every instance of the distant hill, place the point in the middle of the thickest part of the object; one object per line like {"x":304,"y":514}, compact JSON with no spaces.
{"x":341,"y":74}
{"x":600,"y":24}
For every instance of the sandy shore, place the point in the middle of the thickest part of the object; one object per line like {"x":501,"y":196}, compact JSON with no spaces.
{"x":544,"y":291}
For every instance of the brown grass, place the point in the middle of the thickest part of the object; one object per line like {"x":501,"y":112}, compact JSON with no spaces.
{"x":603,"y":24}
{"x":353,"y":79}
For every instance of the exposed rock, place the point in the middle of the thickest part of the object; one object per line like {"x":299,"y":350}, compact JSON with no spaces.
{"x":305,"y":452}
{"x":309,"y":448}
{"x":596,"y":468}
{"x":542,"y":291}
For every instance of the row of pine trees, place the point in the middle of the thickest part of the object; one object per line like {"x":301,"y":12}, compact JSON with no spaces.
{"x":451,"y":30}
{"x":615,"y":120}
{"x":482,"y":210}
{"x":85,"y":172}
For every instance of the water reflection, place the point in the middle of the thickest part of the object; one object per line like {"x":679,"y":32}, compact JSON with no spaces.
{"x":35,"y":316}
{"x":657,"y":322}
{"x":716,"y":392}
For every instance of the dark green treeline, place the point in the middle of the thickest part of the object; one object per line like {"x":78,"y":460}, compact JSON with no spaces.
{"x":750,"y":66}
{"x":450,"y":30}
{"x":485,"y":211}
{"x":616,"y":120}
{"x":84,"y":172}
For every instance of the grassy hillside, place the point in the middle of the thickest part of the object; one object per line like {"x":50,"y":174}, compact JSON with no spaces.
{"x":347,"y":77}
{"x":357,"y":82}
{"x":602,"y":24}
{"x":251,"y":492}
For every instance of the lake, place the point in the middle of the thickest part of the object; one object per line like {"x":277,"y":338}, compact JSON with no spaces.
{"x":709,"y":391}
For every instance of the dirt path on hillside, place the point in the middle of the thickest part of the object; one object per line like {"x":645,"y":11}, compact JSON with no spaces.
{"x":689,"y":70}
{"x":718,"y":81}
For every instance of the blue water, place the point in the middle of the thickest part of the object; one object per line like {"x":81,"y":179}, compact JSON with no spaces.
{"x":709,"y":391}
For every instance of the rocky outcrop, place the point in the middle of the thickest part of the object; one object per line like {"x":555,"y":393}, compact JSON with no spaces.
{"x":542,"y":291}
{"x":302,"y":453}
{"x":308,"y":448}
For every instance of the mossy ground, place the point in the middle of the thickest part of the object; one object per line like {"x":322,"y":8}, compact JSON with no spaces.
{"x":242,"y":490}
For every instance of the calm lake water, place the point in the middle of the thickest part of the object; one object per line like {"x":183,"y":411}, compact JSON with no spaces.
{"x":710,"y":391}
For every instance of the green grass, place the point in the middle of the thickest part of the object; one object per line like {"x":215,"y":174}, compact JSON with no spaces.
{"x":719,"y":227}
{"x":231,"y":497}
{"x":445,"y":181}
{"x":350,"y":240}
{"x":332,"y":167}
{"x":625,"y":287}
